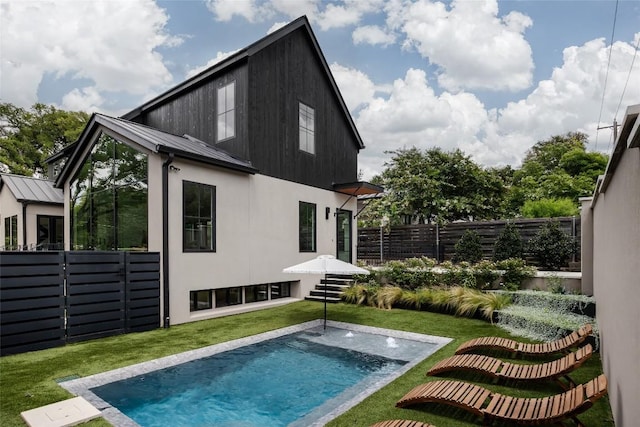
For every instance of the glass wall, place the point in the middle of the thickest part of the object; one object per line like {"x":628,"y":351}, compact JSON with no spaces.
{"x":109,"y":199}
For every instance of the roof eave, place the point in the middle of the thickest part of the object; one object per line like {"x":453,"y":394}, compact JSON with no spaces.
{"x":207,"y":160}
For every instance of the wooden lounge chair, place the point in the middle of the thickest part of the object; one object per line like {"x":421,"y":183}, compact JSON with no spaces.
{"x":496,"y":368}
{"x":515,"y":410}
{"x":401,"y":423}
{"x":563,"y":345}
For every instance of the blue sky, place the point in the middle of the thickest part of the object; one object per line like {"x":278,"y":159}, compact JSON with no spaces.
{"x":491,"y":78}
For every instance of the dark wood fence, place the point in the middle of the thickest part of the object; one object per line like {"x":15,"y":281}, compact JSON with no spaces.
{"x":377,"y":245}
{"x":50,"y":298}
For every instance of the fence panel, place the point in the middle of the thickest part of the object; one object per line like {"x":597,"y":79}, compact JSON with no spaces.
{"x":143,"y":291}
{"x":95,"y":294}
{"x":401,"y":242}
{"x":31,"y":301}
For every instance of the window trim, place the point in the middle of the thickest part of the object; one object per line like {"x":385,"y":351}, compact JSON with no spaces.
{"x":304,"y":108}
{"x":314,"y":230}
{"x":226,"y":112}
{"x":213,"y":246}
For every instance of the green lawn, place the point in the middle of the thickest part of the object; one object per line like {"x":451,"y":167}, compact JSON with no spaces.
{"x":28,"y":380}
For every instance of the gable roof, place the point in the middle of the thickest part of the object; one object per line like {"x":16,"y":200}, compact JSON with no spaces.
{"x":243,"y":55}
{"x":156,"y":141}
{"x":32,"y":190}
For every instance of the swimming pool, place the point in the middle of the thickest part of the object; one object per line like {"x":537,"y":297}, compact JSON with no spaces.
{"x":297,"y":376}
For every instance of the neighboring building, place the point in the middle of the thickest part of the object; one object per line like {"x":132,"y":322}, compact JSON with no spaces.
{"x":243,"y":170}
{"x":31,"y":214}
{"x":611,"y":268}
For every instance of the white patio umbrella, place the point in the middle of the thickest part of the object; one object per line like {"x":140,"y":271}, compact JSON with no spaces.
{"x":325,"y":264}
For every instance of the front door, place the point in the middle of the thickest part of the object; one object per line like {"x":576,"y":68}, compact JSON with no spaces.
{"x":343,"y":236}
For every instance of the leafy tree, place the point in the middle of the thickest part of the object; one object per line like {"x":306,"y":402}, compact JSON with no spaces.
{"x":551,"y":246}
{"x":508,"y":244}
{"x":558,"y":168}
{"x":468,"y":248}
{"x":437,"y":186}
{"x":549,"y":208}
{"x":28,"y":137}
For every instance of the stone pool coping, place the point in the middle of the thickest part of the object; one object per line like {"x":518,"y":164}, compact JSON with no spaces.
{"x":82,"y":386}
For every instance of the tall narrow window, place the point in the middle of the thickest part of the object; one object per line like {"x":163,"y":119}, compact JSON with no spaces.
{"x":307,"y":227}
{"x":199,"y":217}
{"x":227,"y":111}
{"x":11,"y":233}
{"x":306,"y":121}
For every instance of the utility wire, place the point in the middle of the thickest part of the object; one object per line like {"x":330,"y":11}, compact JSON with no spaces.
{"x":606,"y":76}
{"x":635,"y":52}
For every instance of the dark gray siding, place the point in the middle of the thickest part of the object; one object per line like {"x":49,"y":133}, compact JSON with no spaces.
{"x":194,"y":113}
{"x":269,"y":86}
{"x":280,"y":76}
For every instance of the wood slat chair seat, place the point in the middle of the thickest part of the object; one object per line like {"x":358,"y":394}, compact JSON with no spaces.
{"x":547,"y":410}
{"x":514,"y":410}
{"x":496,"y":368}
{"x":401,"y":423}
{"x":562,"y":345}
{"x":467,"y":396}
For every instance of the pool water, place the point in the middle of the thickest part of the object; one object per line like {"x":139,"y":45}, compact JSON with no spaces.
{"x":301,"y":375}
{"x":272,"y":383}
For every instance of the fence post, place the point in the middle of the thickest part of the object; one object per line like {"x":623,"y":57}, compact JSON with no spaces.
{"x":381,"y":248}
{"x":437,"y":243}
{"x":573,"y":238}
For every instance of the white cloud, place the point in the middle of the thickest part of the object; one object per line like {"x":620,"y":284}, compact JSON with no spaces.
{"x":413,"y":115}
{"x":224,"y":10}
{"x":219,"y":57}
{"x":355,"y":86}
{"x":112,"y":44}
{"x":571,"y":98}
{"x":372,"y":34}
{"x":84,"y":99}
{"x":472,"y":46}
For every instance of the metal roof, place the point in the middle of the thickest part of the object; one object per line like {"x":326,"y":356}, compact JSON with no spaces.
{"x":184,"y":146}
{"x":32,"y":190}
{"x":155,"y":141}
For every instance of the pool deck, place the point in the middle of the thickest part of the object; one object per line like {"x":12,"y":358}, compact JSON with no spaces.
{"x":81,"y":386}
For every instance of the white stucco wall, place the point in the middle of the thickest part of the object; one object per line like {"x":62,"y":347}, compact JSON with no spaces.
{"x":256,"y":236}
{"x":616,"y":285}
{"x":9,"y":207}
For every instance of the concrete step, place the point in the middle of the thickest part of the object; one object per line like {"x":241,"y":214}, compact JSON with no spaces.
{"x":330,"y":300}
{"x":320,"y":293}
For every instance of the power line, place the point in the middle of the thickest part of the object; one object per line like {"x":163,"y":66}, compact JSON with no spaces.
{"x":606,"y":76}
{"x":635,"y":52}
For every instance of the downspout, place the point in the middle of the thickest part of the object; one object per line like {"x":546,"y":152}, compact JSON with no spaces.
{"x":24,"y":225}
{"x":165,"y":237}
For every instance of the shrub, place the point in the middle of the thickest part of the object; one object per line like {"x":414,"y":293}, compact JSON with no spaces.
{"x":485,"y":273}
{"x":548,"y":208}
{"x":514,"y":272}
{"x":468,"y":248}
{"x":508,"y":244}
{"x":551,"y":246}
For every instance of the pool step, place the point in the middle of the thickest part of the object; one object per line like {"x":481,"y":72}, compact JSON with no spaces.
{"x":334,"y":286}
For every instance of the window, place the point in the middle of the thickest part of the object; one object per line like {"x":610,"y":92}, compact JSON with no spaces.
{"x":280,"y":290}
{"x":227,"y":111}
{"x":307,"y":227}
{"x":256,"y":293}
{"x":200,"y":300}
{"x":109,"y":199}
{"x":199,"y":217}
{"x":306,"y":123}
{"x":50,"y":233}
{"x":228,"y":296}
{"x":11,"y":233}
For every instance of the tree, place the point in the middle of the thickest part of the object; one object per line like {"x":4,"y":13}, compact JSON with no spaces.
{"x":468,"y":248}
{"x":508,"y":244}
{"x":558,"y":168}
{"x":551,"y":246}
{"x":549,"y":208}
{"x":437,"y":186}
{"x":30,"y":136}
